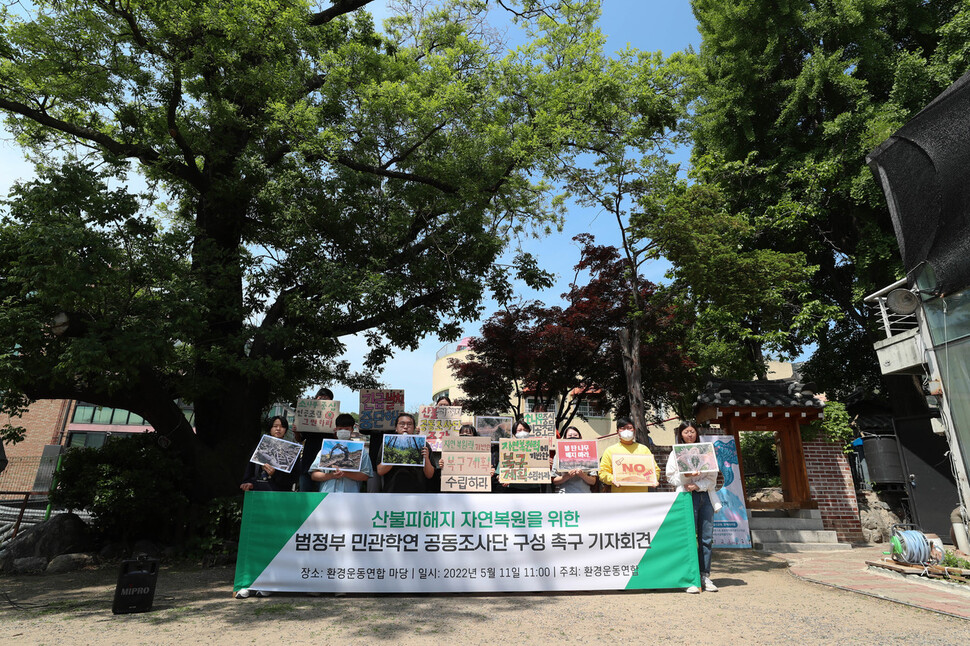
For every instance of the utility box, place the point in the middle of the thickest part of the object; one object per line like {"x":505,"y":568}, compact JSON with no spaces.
{"x":900,"y":354}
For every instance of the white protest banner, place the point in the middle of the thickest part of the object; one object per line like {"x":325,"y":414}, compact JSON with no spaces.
{"x":315,"y":416}
{"x":437,"y":422}
{"x":277,"y":453}
{"x":398,"y":543}
{"x":379,"y":409}
{"x":542,"y":424}
{"x":524,"y":461}
{"x":731,"y":523}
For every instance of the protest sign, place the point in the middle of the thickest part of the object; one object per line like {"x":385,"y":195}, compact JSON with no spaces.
{"x":577,"y":454}
{"x":406,"y":543}
{"x":494,"y":427}
{"x":468,"y":444}
{"x":379,"y":409}
{"x":277,"y":453}
{"x":437,"y":422}
{"x":315,"y":416}
{"x":524,"y":461}
{"x":403,"y":450}
{"x":345,"y":455}
{"x":634,"y":470}
{"x":699,"y":456}
{"x":466,"y":484}
{"x":543,"y":424}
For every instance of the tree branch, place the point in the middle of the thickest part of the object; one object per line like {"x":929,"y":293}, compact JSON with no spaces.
{"x":339,"y":8}
{"x":144,"y":154}
{"x":173,"y":130}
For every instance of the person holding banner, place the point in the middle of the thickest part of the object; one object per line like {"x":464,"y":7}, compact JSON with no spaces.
{"x":406,"y":479}
{"x":338,"y":480}
{"x":263,"y":477}
{"x":626,"y":446}
{"x":699,"y":484}
{"x":574,"y":480}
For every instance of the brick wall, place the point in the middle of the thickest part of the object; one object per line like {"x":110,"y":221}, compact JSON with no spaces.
{"x":43,"y":421}
{"x":830,"y":481}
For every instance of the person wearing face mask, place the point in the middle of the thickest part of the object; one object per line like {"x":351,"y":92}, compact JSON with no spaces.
{"x":397,"y":479}
{"x":701,"y":487}
{"x":338,"y":480}
{"x":311,"y":446}
{"x":627,"y":445}
{"x":520,"y":430}
{"x":263,"y":477}
{"x":575,"y":480}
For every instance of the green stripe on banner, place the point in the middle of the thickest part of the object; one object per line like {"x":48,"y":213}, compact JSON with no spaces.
{"x":667,"y":564}
{"x":279,"y":515}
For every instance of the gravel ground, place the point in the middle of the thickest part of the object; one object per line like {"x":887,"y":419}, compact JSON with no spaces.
{"x":759,"y":603}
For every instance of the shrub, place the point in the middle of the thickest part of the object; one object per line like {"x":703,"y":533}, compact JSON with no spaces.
{"x":131,"y":487}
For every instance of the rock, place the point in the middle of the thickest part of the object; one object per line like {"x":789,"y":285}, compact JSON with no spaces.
{"x":29,"y":565}
{"x":113,"y":552}
{"x":62,"y":534}
{"x":69,"y":563}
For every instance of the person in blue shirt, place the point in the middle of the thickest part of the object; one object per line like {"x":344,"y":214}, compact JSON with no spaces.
{"x":338,"y":480}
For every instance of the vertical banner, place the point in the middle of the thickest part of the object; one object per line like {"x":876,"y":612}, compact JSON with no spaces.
{"x":731,"y":523}
{"x":379,"y":409}
{"x":316,"y":416}
{"x":543,"y":424}
{"x":393,"y":543}
{"x":437,"y":422}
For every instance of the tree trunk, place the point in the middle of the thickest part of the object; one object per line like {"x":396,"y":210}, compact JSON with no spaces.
{"x":630,"y":349}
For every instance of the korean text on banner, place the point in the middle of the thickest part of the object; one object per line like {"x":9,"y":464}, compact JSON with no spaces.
{"x":315,"y":416}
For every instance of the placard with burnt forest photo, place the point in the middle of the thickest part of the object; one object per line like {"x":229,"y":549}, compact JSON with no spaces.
{"x":277,"y":453}
{"x":699,"y":456}
{"x":403,"y":450}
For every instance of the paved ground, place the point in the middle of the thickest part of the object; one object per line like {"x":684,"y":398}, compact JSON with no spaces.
{"x":847,"y":570}
{"x":760,"y":602}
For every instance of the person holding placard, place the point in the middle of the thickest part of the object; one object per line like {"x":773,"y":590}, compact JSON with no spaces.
{"x":404,"y":479}
{"x":263,"y":477}
{"x":574,"y":480}
{"x":700,"y":484}
{"x":311,"y":446}
{"x":338,"y":480}
{"x":626,"y":446}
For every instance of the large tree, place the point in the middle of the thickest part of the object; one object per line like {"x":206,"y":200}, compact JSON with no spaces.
{"x":307,"y":177}
{"x":792,"y":96}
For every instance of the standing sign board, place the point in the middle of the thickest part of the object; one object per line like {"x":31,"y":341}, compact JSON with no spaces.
{"x":731,"y":523}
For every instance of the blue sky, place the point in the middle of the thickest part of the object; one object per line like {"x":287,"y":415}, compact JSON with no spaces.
{"x":648,"y":25}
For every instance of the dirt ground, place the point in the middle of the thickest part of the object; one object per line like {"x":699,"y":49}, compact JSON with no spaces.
{"x":759,"y":603}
